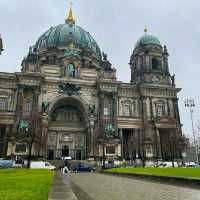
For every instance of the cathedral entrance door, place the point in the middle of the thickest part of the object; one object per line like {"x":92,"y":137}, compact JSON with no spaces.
{"x":50,"y":154}
{"x":69,"y":126}
{"x":65,"y":151}
{"x":78,"y":154}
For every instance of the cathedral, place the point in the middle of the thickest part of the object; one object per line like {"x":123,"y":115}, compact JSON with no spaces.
{"x":68,"y":102}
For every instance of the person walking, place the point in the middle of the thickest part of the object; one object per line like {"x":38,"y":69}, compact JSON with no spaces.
{"x":65,"y":167}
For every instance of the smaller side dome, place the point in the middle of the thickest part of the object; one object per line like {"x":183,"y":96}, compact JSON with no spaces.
{"x":147,"y":40}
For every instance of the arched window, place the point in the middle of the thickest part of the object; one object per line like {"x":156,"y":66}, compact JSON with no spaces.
{"x":155,"y":64}
{"x":28,"y":105}
{"x":107,"y":106}
{"x":126,"y":105}
{"x":3,"y":103}
{"x":160,"y":109}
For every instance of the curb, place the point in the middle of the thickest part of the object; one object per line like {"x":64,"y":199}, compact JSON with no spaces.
{"x":186,"y":182}
{"x":61,"y":189}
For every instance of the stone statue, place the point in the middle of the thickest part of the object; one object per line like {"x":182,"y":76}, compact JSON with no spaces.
{"x":69,"y":89}
{"x":173,"y":79}
{"x":45,"y":106}
{"x":23,"y":127}
{"x":110,"y":131}
{"x":71,"y":71}
{"x":92,"y":109}
{"x":105,"y":56}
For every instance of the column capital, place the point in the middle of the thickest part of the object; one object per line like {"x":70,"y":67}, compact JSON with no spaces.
{"x":102,"y":95}
{"x":20,"y":88}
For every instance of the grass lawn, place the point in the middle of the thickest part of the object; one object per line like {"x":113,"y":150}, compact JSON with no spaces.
{"x":25,"y":184}
{"x":174,"y":172}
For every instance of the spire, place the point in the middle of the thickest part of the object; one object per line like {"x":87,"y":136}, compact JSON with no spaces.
{"x":70,"y":19}
{"x":145,"y":30}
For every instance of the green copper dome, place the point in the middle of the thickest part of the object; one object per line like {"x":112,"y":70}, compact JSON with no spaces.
{"x":147,"y":40}
{"x":67,"y":34}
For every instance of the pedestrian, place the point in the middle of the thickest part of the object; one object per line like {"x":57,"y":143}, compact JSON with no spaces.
{"x":65,"y":167}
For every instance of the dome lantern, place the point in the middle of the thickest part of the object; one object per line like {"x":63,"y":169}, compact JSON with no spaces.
{"x":147,"y":39}
{"x":70,"y":19}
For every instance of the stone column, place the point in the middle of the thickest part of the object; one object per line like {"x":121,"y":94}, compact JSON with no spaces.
{"x":141,"y":145}
{"x":158,"y":144}
{"x":136,"y":143}
{"x":122,"y":142}
{"x":151,"y":109}
{"x":148,"y":104}
{"x":177,"y":116}
{"x":19,"y":106}
{"x":101,"y":112}
{"x":168,"y":108}
{"x":44,"y":135}
{"x":114,"y":110}
{"x":132,"y":144}
{"x":142,"y":131}
{"x":91,"y":154}
{"x":35,"y":117}
{"x":101,"y":118}
{"x":7,"y":134}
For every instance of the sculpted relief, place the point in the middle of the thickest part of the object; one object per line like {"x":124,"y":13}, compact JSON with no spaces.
{"x":67,"y":114}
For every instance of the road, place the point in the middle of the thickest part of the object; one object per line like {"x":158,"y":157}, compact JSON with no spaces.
{"x":91,"y":186}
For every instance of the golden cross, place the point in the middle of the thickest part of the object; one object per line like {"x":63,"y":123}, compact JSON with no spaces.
{"x":71,"y":3}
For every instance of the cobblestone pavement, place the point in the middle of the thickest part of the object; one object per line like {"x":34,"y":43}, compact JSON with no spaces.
{"x":104,"y":187}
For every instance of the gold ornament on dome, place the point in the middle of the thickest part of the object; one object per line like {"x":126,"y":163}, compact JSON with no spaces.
{"x":70,"y":18}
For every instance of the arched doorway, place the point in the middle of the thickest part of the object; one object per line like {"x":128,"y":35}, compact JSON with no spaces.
{"x":68,"y":131}
{"x":65,"y":151}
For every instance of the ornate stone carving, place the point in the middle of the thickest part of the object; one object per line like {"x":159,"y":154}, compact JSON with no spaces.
{"x":110,"y":131}
{"x":69,"y":89}
{"x":71,"y":53}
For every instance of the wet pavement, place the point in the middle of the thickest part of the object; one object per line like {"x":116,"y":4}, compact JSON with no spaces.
{"x":91,"y":186}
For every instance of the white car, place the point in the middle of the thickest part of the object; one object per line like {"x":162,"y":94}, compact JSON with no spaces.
{"x":168,"y":164}
{"x":191,"y":164}
{"x":42,"y":165}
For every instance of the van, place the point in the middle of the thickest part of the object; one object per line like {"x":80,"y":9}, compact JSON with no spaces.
{"x":168,"y":164}
{"x":42,"y":165}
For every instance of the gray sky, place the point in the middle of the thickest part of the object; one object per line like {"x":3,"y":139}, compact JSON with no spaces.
{"x":116,"y":25}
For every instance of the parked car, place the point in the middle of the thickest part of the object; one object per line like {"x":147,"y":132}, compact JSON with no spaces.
{"x":83,"y":168}
{"x":6,"y":163}
{"x":42,"y":165}
{"x":191,"y":164}
{"x":167,"y":164}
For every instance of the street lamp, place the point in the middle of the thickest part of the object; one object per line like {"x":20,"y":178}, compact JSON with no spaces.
{"x":189,"y":103}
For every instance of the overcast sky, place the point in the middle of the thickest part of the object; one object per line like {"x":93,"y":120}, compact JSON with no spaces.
{"x":116,"y":25}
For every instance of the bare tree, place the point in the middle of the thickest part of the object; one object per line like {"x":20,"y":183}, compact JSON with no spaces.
{"x":28,"y":134}
{"x":198,"y":136}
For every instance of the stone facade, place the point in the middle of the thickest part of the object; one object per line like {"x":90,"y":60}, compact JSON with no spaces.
{"x":69,"y":94}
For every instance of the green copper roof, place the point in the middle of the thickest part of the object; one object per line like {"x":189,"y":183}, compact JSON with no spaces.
{"x":66,"y":34}
{"x":146,"y":40}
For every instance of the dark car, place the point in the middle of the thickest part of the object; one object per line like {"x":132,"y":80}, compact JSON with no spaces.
{"x":83,"y":168}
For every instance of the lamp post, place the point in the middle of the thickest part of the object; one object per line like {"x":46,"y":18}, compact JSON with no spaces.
{"x":189,"y":103}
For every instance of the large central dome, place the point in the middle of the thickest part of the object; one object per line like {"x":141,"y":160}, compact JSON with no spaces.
{"x":67,"y":34}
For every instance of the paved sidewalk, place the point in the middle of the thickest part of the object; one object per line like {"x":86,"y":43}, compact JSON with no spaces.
{"x":106,"y":187}
{"x":61,"y":189}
